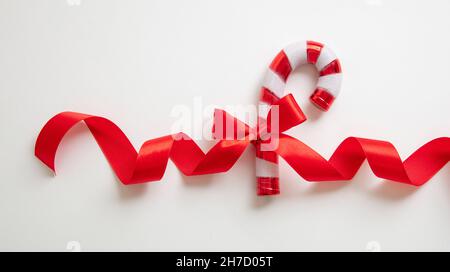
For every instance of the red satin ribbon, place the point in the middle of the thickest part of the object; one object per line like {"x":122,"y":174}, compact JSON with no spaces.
{"x":150,"y":162}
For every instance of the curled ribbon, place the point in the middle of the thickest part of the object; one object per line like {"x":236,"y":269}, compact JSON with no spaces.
{"x":150,"y":162}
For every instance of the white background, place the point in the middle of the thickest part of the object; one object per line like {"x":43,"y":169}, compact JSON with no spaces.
{"x":133,"y":61}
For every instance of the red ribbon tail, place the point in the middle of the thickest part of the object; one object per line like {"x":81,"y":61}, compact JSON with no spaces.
{"x":382,"y":157}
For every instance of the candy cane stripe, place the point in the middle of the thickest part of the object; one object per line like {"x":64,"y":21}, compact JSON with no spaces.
{"x":274,"y":83}
{"x":322,"y":98}
{"x":265,"y":168}
{"x":281,"y":65}
{"x":326,"y":57}
{"x":268,"y":97}
{"x":313,"y":51}
{"x":333,"y":67}
{"x":268,"y":186}
{"x":332,"y":83}
{"x":296,"y":54}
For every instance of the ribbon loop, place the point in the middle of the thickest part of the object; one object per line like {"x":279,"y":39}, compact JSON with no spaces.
{"x":284,"y":114}
{"x":289,"y":114}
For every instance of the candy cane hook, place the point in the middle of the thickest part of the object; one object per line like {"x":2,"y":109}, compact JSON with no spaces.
{"x":327,"y":89}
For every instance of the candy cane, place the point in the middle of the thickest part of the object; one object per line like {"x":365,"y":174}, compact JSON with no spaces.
{"x":328,"y":87}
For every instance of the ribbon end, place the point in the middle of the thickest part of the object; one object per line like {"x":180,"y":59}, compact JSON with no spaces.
{"x":50,"y":166}
{"x":49,"y":162}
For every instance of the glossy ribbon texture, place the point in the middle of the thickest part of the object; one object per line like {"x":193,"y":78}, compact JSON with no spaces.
{"x":150,"y":162}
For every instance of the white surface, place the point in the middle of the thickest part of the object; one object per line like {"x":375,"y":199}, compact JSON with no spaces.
{"x":132,"y":61}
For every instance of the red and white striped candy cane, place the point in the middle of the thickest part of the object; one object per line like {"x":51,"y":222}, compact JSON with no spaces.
{"x":328,"y":86}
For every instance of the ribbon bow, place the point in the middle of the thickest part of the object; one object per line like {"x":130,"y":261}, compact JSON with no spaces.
{"x":283,"y":115}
